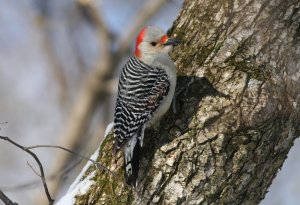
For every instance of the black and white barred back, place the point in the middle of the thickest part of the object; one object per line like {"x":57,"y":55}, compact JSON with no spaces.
{"x":140,"y":92}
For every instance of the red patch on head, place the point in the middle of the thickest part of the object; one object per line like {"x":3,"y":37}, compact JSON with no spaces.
{"x":164,"y":39}
{"x":139,"y":39}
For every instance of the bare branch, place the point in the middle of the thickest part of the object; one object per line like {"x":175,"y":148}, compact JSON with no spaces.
{"x":6,"y":200}
{"x":92,"y":89}
{"x":30,"y":184}
{"x":99,"y":165}
{"x":33,"y":169}
{"x":45,"y":25}
{"x":50,"y":200}
{"x":91,"y":13}
{"x":42,"y":176}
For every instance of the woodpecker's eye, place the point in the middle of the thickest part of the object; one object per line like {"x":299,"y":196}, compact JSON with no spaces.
{"x":153,"y":43}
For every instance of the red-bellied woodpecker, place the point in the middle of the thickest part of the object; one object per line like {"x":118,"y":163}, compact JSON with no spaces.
{"x":145,"y":92}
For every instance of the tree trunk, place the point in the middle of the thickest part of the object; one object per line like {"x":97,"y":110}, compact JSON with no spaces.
{"x":237,"y":111}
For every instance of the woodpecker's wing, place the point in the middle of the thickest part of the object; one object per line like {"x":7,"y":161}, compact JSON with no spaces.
{"x":141,"y":90}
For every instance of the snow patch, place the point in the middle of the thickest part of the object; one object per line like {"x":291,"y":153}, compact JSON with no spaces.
{"x":76,"y":190}
{"x":108,"y":129}
{"x":81,"y":185}
{"x":88,"y":164}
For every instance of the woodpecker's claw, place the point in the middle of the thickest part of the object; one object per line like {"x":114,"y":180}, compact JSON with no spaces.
{"x":179,"y":92}
{"x":174,"y":105}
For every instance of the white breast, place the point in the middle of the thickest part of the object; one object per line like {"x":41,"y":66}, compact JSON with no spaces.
{"x":165,"y":62}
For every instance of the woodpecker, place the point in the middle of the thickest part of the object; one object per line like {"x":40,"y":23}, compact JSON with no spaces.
{"x":145,"y":92}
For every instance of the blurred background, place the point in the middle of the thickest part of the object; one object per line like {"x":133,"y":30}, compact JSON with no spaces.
{"x":59,"y":67}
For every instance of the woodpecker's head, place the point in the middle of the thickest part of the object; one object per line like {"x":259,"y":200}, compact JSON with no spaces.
{"x":152,"y":42}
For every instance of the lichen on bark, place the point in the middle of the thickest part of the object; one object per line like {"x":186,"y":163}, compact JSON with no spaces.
{"x":238,"y":110}
{"x":107,"y":188}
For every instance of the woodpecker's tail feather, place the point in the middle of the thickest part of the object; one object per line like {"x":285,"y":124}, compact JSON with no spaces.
{"x":132,"y":151}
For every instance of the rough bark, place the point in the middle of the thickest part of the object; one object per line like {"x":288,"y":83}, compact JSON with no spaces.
{"x":238,"y":109}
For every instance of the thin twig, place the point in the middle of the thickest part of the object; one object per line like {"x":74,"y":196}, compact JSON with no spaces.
{"x":99,"y":165}
{"x":92,"y":89}
{"x":50,"y":200}
{"x":6,"y":200}
{"x":42,"y":176}
{"x":35,"y":182}
{"x":33,"y":169}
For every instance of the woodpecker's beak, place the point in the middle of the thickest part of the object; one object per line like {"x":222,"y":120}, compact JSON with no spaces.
{"x":172,"y":42}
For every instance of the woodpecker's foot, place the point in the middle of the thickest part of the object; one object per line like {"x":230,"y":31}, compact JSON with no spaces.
{"x":178,"y":93}
{"x":174,"y":104}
